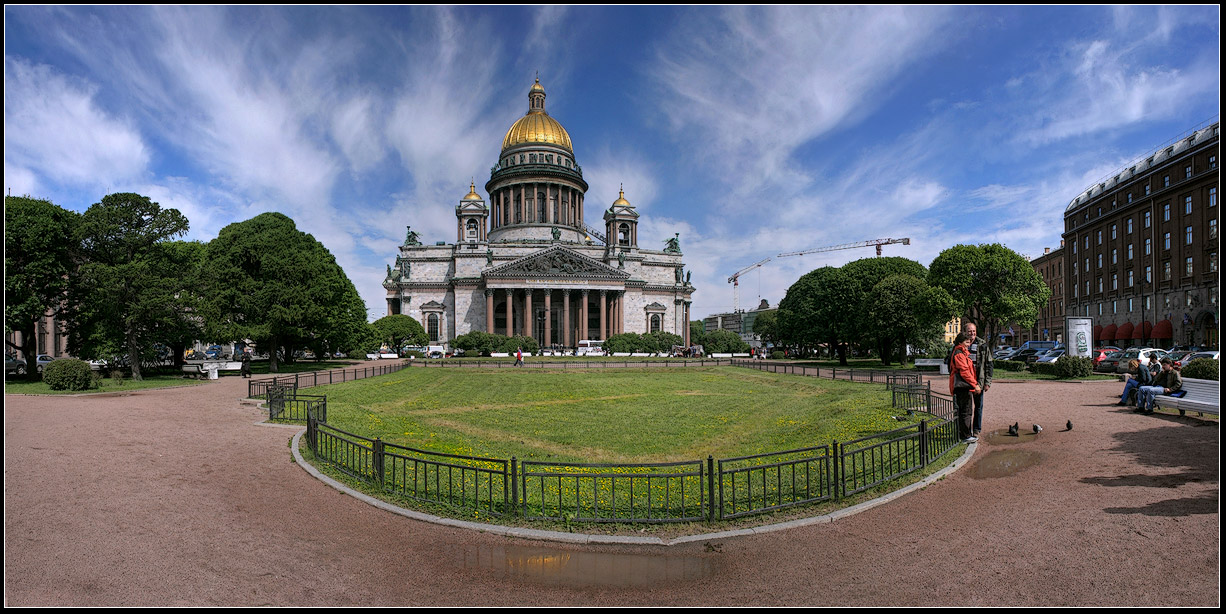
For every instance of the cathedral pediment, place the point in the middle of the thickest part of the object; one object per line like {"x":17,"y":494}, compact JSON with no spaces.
{"x":557,"y":262}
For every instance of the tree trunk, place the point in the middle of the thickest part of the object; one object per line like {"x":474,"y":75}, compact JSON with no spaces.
{"x":273,"y":348}
{"x":134,"y":357}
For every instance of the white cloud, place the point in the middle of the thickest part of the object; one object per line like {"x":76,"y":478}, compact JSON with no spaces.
{"x":54,"y":129}
{"x":355,"y":128}
{"x":609,"y":171}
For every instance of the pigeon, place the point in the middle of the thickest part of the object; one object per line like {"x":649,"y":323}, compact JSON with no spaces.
{"x":1013,"y":430}
{"x":1037,"y":429}
{"x":1069,"y":426}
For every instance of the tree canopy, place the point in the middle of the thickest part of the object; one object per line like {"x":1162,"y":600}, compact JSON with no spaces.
{"x":38,"y":260}
{"x":400,"y":330}
{"x":130,"y":282}
{"x":278,"y":286}
{"x":992,"y":285}
{"x":820,"y":308}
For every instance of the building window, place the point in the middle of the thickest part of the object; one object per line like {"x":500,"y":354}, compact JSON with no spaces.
{"x":1212,"y":229}
{"x":1147,"y":219}
{"x":1187,"y":266}
{"x":1187,"y":172}
{"x":1100,"y":212}
{"x":1115,"y":279}
{"x":1130,"y":251}
{"x":1148,"y":246}
{"x":1166,"y":181}
{"x":1212,"y":262}
{"x":1100,"y":285}
{"x":1087,"y":241}
{"x":1187,"y":236}
{"x":1100,"y":309}
{"x":1087,"y":287}
{"x":1213,"y":197}
{"x":1115,"y":308}
{"x":1113,"y":231}
{"x":1130,"y":279}
{"x":1129,"y":305}
{"x":1212,"y":161}
{"x":1166,"y":212}
{"x":1147,"y":189}
{"x":1166,"y":270}
{"x":1128,"y":226}
{"x":655,"y":322}
{"x":1115,"y":256}
{"x":1149,"y":274}
{"x":1148,"y":303}
{"x":1166,"y":241}
{"x":1100,"y":261}
{"x":1187,"y":205}
{"x":1087,"y":265}
{"x":1100,"y":237}
{"x":432,"y":326}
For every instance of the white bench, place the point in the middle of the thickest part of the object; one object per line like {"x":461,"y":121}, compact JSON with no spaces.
{"x":1201,"y":397}
{"x":936,"y":363}
{"x":206,"y":368}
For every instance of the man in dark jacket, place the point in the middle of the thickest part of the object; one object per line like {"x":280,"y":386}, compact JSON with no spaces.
{"x":981,"y":355}
{"x":1167,"y":382}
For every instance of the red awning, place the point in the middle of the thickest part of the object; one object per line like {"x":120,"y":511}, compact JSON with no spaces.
{"x":1125,"y":332}
{"x":1145,"y":329}
{"x":1109,"y":332}
{"x":1162,"y":330}
{"x":1098,"y":333}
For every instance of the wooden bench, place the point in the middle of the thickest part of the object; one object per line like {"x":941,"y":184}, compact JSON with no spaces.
{"x":1201,"y":397}
{"x":935,"y":363}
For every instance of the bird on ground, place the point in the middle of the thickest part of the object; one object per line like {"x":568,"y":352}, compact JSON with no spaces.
{"x":1069,"y":426}
{"x":1013,"y":430}
{"x":1037,"y":429}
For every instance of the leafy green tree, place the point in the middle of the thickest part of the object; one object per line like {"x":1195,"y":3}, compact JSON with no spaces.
{"x":127,"y":288}
{"x":278,"y":286}
{"x":766,"y":326}
{"x":723,"y":341}
{"x":866,"y":273}
{"x":819,"y":308}
{"x":902,"y":310}
{"x":38,"y":249}
{"x":990,"y":284}
{"x":180,"y":329}
{"x":400,"y":330}
{"x":698,"y":332}
{"x":664,"y":341}
{"x":480,"y":343}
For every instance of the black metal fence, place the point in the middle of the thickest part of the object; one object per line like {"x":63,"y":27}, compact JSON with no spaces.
{"x":649,"y":492}
{"x":258,"y":388}
{"x":284,"y":403}
{"x":576,"y":364}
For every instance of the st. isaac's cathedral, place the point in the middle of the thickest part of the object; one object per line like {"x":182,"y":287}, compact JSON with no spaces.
{"x":526,"y":261}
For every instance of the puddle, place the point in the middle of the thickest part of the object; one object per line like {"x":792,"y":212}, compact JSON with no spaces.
{"x":1001,"y":437}
{"x":1002,"y":463}
{"x":570,"y":568}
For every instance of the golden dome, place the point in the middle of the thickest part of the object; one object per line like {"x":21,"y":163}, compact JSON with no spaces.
{"x":621,"y":199}
{"x":536,"y":126}
{"x":472,"y":193}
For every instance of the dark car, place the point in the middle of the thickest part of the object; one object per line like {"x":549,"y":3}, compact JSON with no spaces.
{"x":1109,"y":363}
{"x":12,"y":364}
{"x":1102,"y":352}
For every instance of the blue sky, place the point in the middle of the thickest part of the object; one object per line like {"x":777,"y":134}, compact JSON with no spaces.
{"x":749,"y":131}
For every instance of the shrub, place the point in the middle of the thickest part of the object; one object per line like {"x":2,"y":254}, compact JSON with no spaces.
{"x":1045,"y":368}
{"x":480,"y":343}
{"x":68,"y":374}
{"x":1074,"y":366}
{"x":510,"y":344}
{"x":777,"y":355}
{"x":117,"y":377}
{"x":1202,"y":368}
{"x":1009,"y":365}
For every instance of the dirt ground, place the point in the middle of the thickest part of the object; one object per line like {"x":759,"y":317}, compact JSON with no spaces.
{"x":177,"y":497}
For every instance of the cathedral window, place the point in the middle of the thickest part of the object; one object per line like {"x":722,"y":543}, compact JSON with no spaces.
{"x":432,"y":326}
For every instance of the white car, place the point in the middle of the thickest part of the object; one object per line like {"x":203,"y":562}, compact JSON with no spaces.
{"x":1183,"y":362}
{"x":42,"y":361}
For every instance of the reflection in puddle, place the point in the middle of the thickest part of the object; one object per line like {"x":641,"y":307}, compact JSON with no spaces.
{"x":571,"y":568}
{"x":1002,"y":437}
{"x":1003,"y":463}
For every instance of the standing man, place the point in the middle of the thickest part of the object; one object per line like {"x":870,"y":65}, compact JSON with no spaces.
{"x":981,"y":356}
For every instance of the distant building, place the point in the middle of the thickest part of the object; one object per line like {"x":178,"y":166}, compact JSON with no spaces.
{"x":952,"y":328}
{"x":1050,"y":324}
{"x":739,"y":322}
{"x":1141,"y":248}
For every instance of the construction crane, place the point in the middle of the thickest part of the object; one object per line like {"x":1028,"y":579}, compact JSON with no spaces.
{"x":736,"y":284}
{"x":878,"y":243}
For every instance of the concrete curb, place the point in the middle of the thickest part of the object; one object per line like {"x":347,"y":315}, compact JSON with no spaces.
{"x":584,"y":538}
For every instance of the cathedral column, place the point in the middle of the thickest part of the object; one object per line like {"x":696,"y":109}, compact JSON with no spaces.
{"x":686,"y":330}
{"x":566,"y":318}
{"x":523,"y":202}
{"x":528,"y":315}
{"x":489,"y":310}
{"x":604,"y":299}
{"x":583,"y":330}
{"x":510,"y":297}
{"x":621,"y":312}
{"x":548,"y":317}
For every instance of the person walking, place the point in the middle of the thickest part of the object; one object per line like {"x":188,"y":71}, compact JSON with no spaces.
{"x":245,"y":370}
{"x":963,"y":384}
{"x":981,"y":357}
{"x":519,"y":357}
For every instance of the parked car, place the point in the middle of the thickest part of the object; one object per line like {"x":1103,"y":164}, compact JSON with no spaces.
{"x":1026,"y":354}
{"x":1102,"y":352}
{"x":42,"y":361}
{"x":1051,"y":356}
{"x":12,"y":364}
{"x":1110,"y":362}
{"x":1183,"y":362}
{"x":1141,"y":354}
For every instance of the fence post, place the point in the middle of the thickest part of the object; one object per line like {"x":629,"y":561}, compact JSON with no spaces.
{"x":923,"y":439}
{"x":514,"y":489}
{"x":711,"y":487}
{"x":377,"y":460}
{"x":837,"y":478}
{"x":311,"y":433}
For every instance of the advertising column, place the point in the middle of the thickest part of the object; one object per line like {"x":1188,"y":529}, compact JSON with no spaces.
{"x":1079,"y":335}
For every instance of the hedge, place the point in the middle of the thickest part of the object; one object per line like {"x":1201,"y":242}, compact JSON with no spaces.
{"x":1202,"y":368}
{"x":68,"y":374}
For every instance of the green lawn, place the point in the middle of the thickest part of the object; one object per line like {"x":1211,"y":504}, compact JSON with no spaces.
{"x":607,"y":416}
{"x":127,"y":384}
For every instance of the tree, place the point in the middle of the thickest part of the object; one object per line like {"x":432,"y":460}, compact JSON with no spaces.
{"x":127,"y":286}
{"x":724,"y":341}
{"x":819,"y":308}
{"x":991,"y":285}
{"x":902,"y":310}
{"x":866,"y":273}
{"x":400,"y":330}
{"x":276,"y":285}
{"x":766,"y":326}
{"x":698,"y":332}
{"x":38,"y":249}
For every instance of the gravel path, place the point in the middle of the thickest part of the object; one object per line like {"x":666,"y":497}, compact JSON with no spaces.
{"x":178,"y":497}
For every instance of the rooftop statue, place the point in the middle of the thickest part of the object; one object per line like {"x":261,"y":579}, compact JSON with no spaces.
{"x":410,"y":237}
{"x":673,"y":245}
